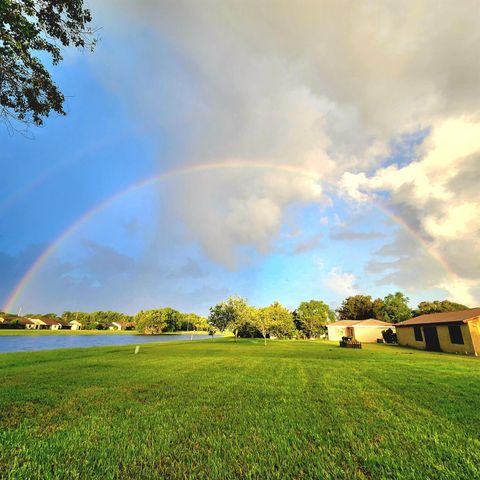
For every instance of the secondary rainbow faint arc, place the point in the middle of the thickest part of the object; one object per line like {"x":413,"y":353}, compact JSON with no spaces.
{"x":43,"y":257}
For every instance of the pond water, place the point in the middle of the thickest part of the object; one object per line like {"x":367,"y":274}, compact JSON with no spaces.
{"x":50,"y":342}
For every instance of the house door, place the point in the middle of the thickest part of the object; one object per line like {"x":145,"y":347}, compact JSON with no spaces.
{"x":431,"y":339}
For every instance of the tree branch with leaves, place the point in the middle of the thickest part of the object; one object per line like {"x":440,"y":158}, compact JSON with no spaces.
{"x":28,"y":30}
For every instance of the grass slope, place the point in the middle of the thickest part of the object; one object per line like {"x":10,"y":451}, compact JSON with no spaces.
{"x":223,"y":410}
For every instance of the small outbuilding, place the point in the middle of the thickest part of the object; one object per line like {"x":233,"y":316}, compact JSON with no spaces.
{"x":452,"y":332}
{"x":367,"y":331}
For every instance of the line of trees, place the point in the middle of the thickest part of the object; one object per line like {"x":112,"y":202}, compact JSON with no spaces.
{"x":393,"y":308}
{"x":168,"y":320}
{"x":309,"y":320}
{"x":99,"y":320}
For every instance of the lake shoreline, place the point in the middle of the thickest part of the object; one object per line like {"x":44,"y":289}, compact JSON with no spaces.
{"x":17,"y":343}
{"x":33,"y":333}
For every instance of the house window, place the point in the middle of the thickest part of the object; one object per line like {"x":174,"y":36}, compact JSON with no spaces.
{"x":418,"y":334}
{"x":455,"y":334}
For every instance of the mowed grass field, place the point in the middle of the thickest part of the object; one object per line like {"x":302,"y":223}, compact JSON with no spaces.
{"x":220,"y":410}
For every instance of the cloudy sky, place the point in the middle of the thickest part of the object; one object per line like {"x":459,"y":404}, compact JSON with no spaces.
{"x":295,"y":150}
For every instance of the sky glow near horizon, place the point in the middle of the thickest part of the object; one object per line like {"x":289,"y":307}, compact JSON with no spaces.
{"x":378,"y":101}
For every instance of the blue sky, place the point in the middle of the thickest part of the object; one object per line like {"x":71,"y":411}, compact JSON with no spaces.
{"x":173,"y":95}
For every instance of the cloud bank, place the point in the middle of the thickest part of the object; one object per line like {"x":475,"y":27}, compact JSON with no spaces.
{"x":327,"y":87}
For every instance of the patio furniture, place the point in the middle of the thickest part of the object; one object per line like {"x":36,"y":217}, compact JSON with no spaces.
{"x":350,"y":342}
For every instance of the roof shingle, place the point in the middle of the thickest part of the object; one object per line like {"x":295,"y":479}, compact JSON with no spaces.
{"x":370,"y":322}
{"x":443,"y":317}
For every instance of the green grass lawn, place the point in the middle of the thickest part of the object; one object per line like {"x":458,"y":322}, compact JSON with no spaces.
{"x":216,"y":409}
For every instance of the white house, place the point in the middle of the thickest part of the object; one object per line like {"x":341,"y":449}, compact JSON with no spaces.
{"x":367,"y":331}
{"x":121,"y":326}
{"x":75,"y":325}
{"x":44,"y":324}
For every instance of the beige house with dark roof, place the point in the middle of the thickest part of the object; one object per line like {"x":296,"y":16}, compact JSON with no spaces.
{"x":75,"y":325}
{"x":44,"y":323}
{"x":453,"y":332}
{"x":121,"y":326}
{"x":367,"y":331}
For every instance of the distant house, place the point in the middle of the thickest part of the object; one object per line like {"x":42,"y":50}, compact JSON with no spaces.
{"x":453,"y":332}
{"x":367,"y":331}
{"x":121,"y":326}
{"x":15,"y":322}
{"x":75,"y":325}
{"x":45,"y":323}
{"x":27,"y":323}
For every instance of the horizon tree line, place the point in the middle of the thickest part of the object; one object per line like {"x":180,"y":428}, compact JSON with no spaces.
{"x":308,"y":320}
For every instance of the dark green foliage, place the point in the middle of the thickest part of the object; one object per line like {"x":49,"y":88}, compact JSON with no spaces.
{"x":357,"y":307}
{"x":249,"y":330}
{"x":151,"y":321}
{"x":377,"y":307}
{"x":395,"y":308}
{"x":12,"y":325}
{"x":27,"y":28}
{"x":99,"y":320}
{"x":312,"y":317}
{"x":192,"y":321}
{"x":172,"y":318}
{"x":233,"y":314}
{"x":216,"y":410}
{"x":437,"y":307}
{"x":221,"y":315}
{"x":275,"y":320}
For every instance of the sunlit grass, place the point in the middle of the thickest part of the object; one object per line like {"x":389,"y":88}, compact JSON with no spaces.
{"x":216,"y":409}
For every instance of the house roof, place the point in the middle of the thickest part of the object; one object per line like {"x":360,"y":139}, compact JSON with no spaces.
{"x":49,"y":321}
{"x":24,"y":321}
{"x":373,"y":322}
{"x":123,"y":324}
{"x":46,"y":321}
{"x":342,"y":323}
{"x":462,"y":316}
{"x":15,"y":318}
{"x":370,"y":322}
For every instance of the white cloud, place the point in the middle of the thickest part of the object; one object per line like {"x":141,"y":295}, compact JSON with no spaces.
{"x":429,"y":193}
{"x":342,"y":283}
{"x":324,"y":87}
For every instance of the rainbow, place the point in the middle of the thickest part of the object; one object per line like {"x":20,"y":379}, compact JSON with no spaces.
{"x":29,"y":275}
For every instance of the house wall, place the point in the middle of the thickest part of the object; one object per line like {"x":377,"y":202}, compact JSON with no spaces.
{"x":474,"y":327}
{"x":406,"y":337}
{"x":368,"y":334}
{"x":37,"y":324}
{"x":336,"y":333}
